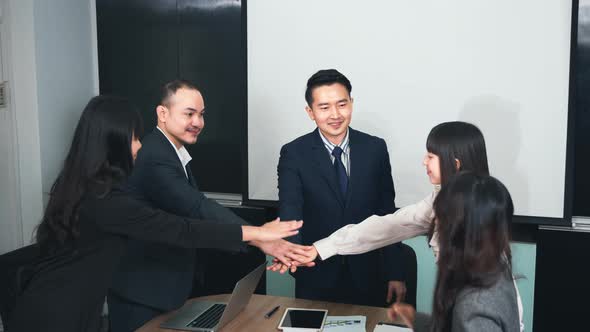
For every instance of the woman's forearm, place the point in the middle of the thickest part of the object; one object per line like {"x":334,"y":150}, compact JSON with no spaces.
{"x":379,"y":231}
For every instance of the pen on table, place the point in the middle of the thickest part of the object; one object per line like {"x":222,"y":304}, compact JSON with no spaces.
{"x":270,"y":313}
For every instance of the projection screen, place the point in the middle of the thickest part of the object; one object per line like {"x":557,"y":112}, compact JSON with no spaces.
{"x":502,"y":65}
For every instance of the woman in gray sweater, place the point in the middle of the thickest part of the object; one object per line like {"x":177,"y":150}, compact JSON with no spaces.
{"x":474,"y":287}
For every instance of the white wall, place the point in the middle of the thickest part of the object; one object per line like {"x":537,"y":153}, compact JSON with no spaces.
{"x":64,"y":77}
{"x":18,"y":23}
{"x":51,"y":69}
{"x":9,"y":198}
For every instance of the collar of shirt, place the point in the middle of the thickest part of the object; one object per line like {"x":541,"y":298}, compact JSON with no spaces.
{"x":345,"y":157}
{"x":330,"y":146}
{"x":182,"y":153}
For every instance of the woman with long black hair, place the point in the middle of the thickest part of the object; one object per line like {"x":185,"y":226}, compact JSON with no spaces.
{"x":88,"y":218}
{"x":475,"y":289}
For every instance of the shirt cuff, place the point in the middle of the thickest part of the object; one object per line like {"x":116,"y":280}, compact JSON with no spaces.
{"x":325,"y":248}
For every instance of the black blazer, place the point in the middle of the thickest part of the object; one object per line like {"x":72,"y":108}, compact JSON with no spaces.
{"x":308,"y":191}
{"x":65,"y":291}
{"x":156,"y":275}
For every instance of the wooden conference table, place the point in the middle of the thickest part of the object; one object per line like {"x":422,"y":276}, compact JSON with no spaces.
{"x":252,"y":318}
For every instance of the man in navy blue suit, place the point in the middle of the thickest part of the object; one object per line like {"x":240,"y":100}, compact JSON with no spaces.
{"x":332,"y":177}
{"x":154,"y":278}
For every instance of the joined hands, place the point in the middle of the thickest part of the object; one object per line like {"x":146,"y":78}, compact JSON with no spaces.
{"x":299,"y":255}
{"x":269,"y":239}
{"x":289,"y":257}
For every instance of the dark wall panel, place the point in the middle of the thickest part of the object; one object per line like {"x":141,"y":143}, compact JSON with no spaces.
{"x":137,"y":50}
{"x":212,"y":55}
{"x":144,"y":44}
{"x":561,"y":282}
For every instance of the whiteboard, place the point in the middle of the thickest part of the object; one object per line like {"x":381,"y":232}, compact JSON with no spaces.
{"x":502,"y":65}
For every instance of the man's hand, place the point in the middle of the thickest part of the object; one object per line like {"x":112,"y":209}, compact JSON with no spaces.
{"x":301,"y":256}
{"x":282,"y":268}
{"x":404,"y":312}
{"x":271,"y":231}
{"x":399,"y":287}
{"x":283,"y":251}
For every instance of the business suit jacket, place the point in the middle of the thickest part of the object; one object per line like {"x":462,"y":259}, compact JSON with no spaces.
{"x":492,"y":309}
{"x":309,"y":191}
{"x":156,"y":275}
{"x":64,"y":291}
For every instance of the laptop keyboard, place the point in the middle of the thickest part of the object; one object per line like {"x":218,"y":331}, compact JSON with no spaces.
{"x":209,"y":318}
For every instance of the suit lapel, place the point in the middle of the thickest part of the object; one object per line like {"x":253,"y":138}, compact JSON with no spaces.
{"x":323,"y":163}
{"x":357,"y":155}
{"x":191,"y":178}
{"x":165,"y":143}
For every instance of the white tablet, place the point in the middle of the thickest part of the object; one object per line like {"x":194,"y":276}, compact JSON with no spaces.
{"x":304,"y":320}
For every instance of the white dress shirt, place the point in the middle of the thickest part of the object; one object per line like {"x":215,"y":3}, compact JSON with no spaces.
{"x":344,"y":145}
{"x":182,"y":153}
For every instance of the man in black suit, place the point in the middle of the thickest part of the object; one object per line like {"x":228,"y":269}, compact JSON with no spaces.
{"x":332,"y":177}
{"x":155,"y":278}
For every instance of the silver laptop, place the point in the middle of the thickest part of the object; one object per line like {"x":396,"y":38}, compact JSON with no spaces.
{"x":212,"y":316}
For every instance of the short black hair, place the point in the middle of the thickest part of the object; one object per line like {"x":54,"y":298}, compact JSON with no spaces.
{"x":325,"y":77}
{"x":171,"y":87}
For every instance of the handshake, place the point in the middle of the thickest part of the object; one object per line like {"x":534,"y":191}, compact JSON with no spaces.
{"x":287,"y":255}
